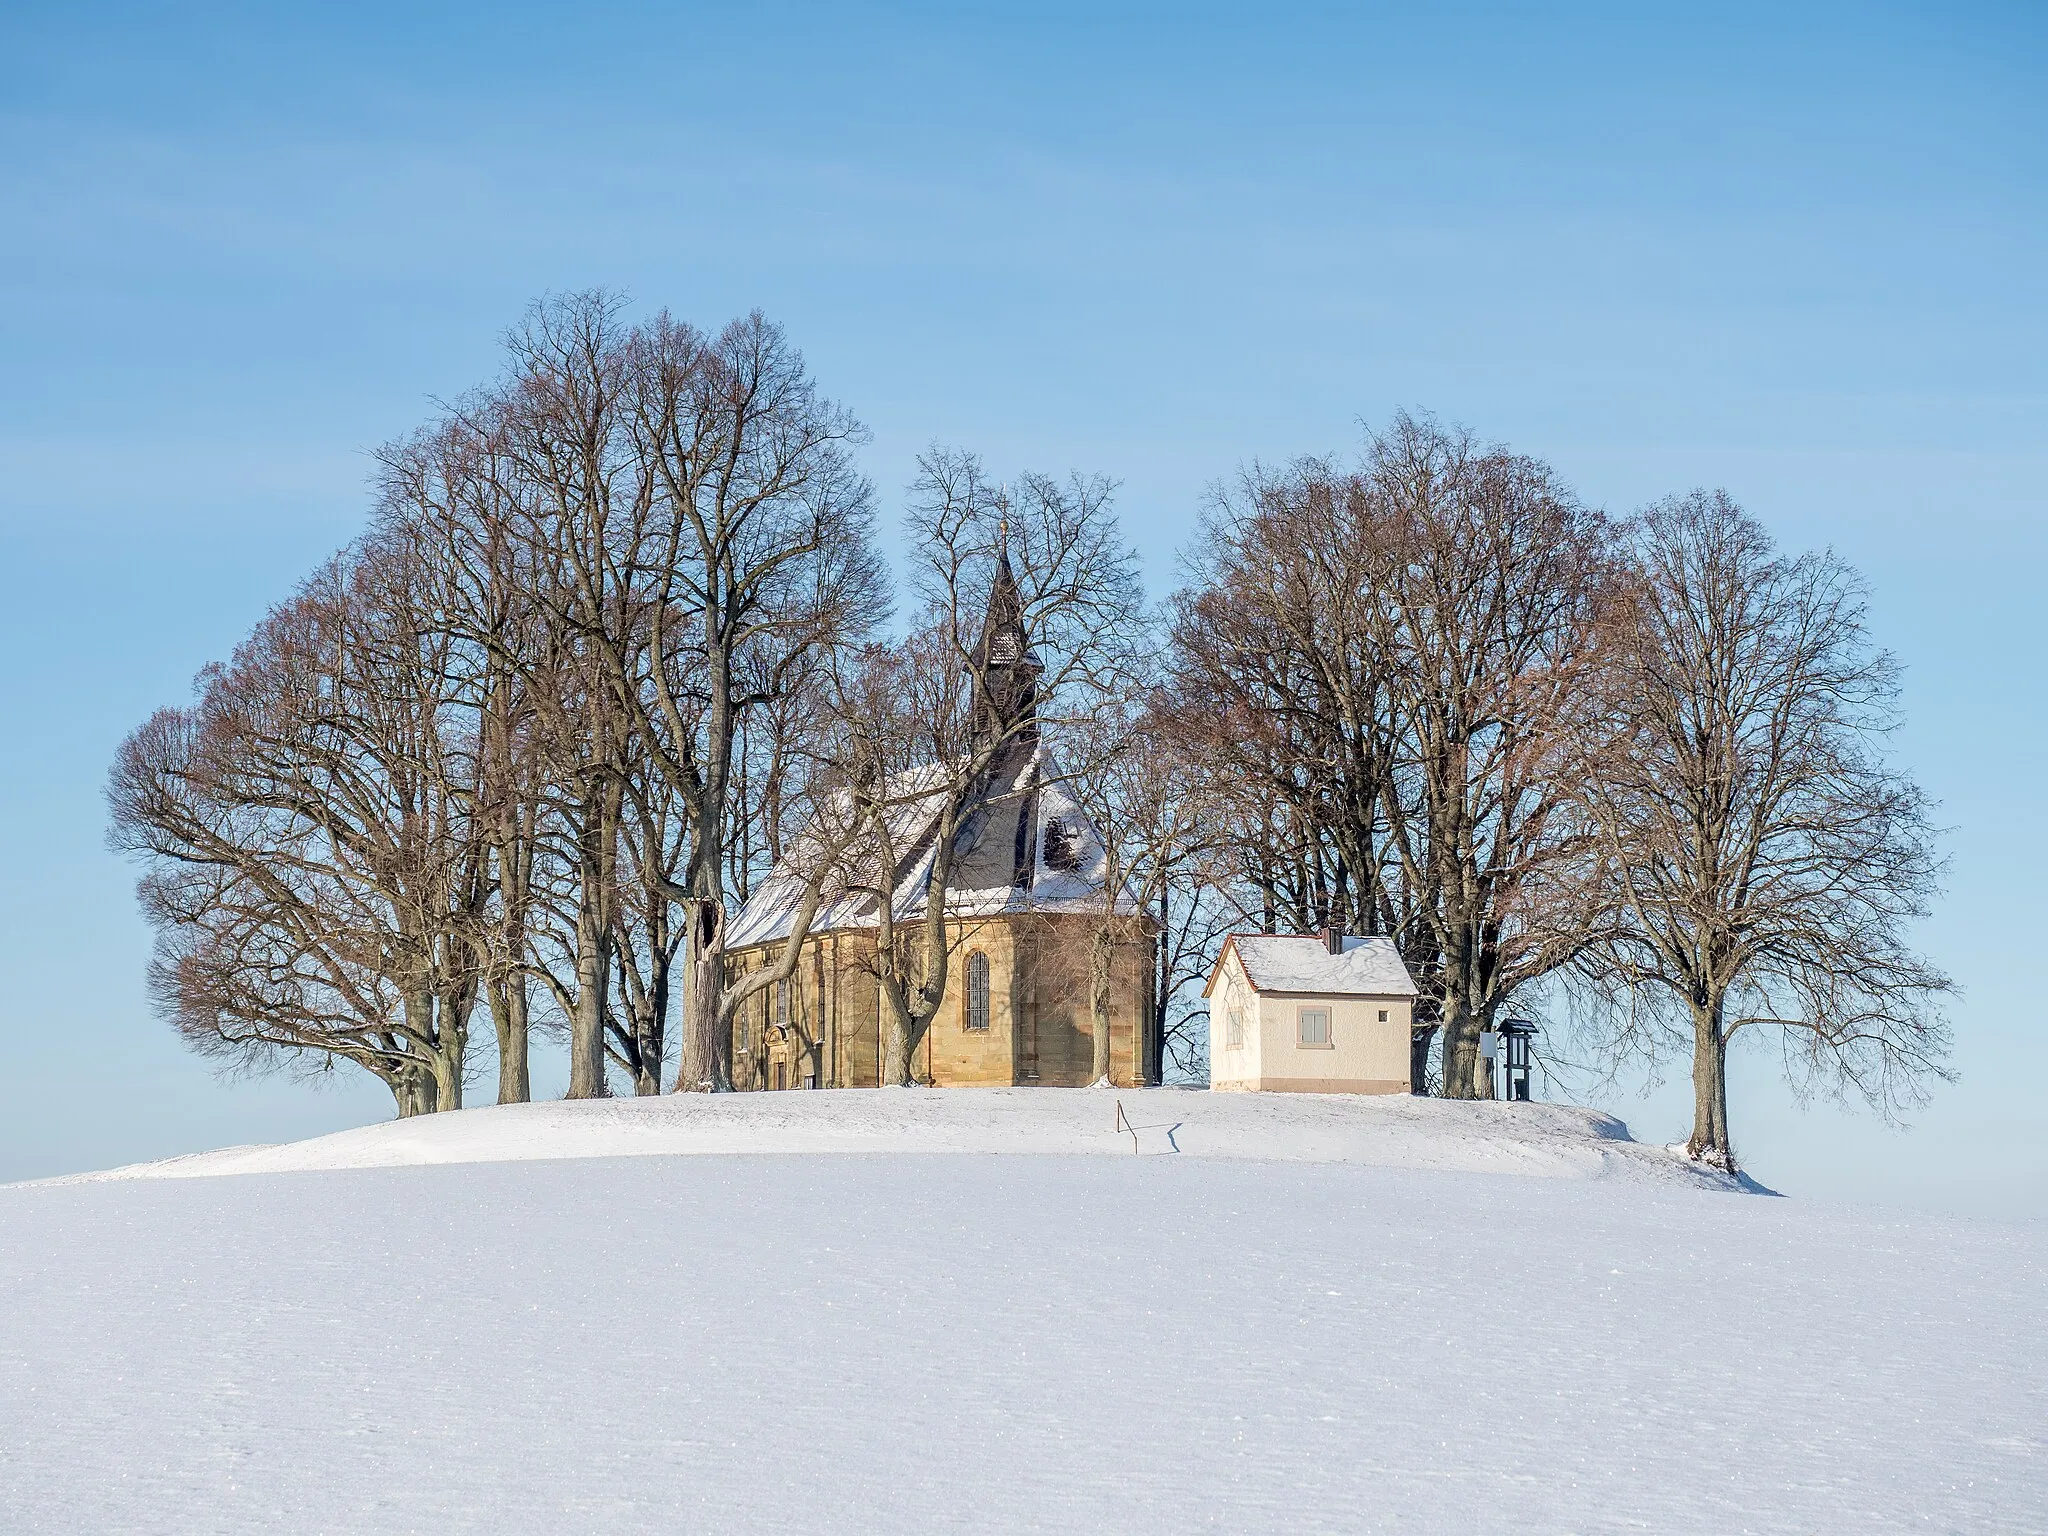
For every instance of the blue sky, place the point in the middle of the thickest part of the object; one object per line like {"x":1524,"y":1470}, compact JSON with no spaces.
{"x":1795,"y":251}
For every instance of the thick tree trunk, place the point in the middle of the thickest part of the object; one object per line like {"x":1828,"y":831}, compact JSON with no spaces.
{"x":448,"y":1062}
{"x":1709,"y":1143}
{"x":509,"y":1015}
{"x":414,"y":1091}
{"x":1156,"y":1003}
{"x":707,"y":1046}
{"x":586,"y":1021}
{"x":1461,"y":1050}
{"x":596,"y":901}
{"x":898,"y":1047}
{"x":436,"y":1080}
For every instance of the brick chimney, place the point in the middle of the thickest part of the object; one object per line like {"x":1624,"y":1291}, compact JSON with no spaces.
{"x":1333,"y":940}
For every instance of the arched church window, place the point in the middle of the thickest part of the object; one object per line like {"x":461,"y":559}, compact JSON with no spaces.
{"x":782,"y":1002}
{"x":977,"y":990}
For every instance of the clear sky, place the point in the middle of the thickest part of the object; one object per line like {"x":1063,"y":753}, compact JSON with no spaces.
{"x":1795,"y":251}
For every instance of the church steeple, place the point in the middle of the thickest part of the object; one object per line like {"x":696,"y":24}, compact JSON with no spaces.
{"x":1005,"y":668}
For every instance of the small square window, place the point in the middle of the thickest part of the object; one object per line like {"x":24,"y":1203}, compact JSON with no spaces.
{"x":1383,"y":1015}
{"x":1314,"y":1025}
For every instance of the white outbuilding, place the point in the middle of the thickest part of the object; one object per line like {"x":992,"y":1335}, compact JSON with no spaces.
{"x":1309,"y":1013}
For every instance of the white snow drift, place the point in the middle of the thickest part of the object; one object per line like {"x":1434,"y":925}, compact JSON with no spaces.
{"x":1552,"y":1140}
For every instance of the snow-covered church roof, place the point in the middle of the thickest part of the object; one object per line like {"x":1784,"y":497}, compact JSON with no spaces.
{"x":1286,"y":962}
{"x":1025,"y":845}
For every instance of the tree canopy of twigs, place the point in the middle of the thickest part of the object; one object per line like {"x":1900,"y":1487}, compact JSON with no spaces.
{"x":1760,"y":863}
{"x":1381,"y":667}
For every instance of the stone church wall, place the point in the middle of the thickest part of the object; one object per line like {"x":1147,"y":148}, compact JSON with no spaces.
{"x":1039,"y":1029}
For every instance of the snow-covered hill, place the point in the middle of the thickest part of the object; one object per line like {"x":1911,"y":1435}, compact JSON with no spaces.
{"x":1262,"y":1333}
{"x":1550,"y":1140}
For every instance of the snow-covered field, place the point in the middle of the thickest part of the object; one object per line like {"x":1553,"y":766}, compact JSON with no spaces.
{"x":1313,"y":1316}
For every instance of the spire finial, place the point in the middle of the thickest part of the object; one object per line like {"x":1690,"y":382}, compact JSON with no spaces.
{"x":1003,"y":517}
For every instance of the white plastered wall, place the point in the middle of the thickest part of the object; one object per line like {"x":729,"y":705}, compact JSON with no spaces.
{"x":1239,"y":1068}
{"x":1366,"y":1054}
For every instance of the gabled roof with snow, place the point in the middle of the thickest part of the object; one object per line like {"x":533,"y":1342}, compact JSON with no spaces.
{"x":1287,"y":962}
{"x":1025,"y":845}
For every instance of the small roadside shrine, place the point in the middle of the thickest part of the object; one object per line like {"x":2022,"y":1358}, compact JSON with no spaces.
{"x":1308,"y":1013}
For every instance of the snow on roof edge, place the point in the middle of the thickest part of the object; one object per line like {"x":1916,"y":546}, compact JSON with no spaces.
{"x":1370,"y":965}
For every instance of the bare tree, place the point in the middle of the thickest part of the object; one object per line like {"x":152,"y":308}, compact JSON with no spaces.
{"x":735,"y":524}
{"x":654,"y":845}
{"x":1280,"y":698}
{"x":689,"y":531}
{"x":312,"y":860}
{"x":1158,"y":843}
{"x":567,"y":493}
{"x":1488,"y":630}
{"x":1375,"y":674}
{"x":443,"y":497}
{"x":1763,"y":861}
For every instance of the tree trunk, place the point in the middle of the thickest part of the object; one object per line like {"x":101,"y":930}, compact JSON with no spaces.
{"x":707,"y":1048}
{"x":586,"y":1022}
{"x":897,"y":1046}
{"x":1709,"y":1142}
{"x":413,"y":1090}
{"x":1101,"y":956}
{"x":1156,"y":1002}
{"x":509,"y":1016}
{"x":1461,"y":1050}
{"x":1419,"y":1038}
{"x":448,"y":1062}
{"x":650,"y":1021}
{"x":647,"y":1054}
{"x":436,"y":1079}
{"x":596,"y":932}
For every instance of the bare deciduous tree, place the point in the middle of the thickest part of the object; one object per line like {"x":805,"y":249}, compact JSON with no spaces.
{"x":1377,"y":673}
{"x":312,"y":861}
{"x":1497,"y":579}
{"x":1762,"y":860}
{"x":1157,"y":843}
{"x":755,"y":552}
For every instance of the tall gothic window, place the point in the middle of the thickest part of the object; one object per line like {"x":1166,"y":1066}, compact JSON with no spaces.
{"x":782,"y":1002}
{"x":977,"y":990}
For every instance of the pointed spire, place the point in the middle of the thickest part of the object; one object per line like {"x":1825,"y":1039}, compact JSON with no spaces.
{"x":1005,"y":666}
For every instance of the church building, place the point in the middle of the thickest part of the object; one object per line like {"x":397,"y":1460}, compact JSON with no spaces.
{"x":1028,"y":895}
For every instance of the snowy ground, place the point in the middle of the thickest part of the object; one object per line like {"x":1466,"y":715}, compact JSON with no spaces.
{"x":1551,"y":1140}
{"x":822,"y":1342}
